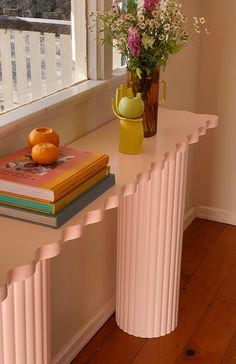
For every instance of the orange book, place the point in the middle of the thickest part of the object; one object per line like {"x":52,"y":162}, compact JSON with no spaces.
{"x":53,"y":207}
{"x":19,"y":174}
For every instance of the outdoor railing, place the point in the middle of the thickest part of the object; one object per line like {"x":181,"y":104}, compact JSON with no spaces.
{"x":35,"y":59}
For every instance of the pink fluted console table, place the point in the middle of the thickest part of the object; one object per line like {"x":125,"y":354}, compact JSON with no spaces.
{"x":149,"y":195}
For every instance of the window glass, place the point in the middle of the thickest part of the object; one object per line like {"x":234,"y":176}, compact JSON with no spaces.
{"x":36,"y":50}
{"x":118,"y":60}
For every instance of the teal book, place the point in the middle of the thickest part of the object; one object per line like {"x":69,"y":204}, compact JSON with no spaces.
{"x":53,"y":207}
{"x":66,"y":213}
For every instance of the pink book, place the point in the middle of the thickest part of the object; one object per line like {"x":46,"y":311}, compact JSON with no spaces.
{"x":21,"y":175}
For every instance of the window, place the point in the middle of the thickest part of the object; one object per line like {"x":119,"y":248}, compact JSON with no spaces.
{"x":117,"y":59}
{"x":40,"y":56}
{"x":35,"y":53}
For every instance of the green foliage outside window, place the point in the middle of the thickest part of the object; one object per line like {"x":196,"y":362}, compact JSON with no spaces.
{"x":52,"y":9}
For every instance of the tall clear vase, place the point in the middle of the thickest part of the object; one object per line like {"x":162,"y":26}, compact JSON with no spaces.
{"x":148,"y":85}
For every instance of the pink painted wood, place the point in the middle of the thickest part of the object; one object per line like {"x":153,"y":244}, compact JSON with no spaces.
{"x":24,"y":320}
{"x":149,"y":248}
{"x":149,"y":195}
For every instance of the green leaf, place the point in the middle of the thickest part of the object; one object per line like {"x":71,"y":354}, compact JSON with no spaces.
{"x":131,"y":6}
{"x":139,"y":72}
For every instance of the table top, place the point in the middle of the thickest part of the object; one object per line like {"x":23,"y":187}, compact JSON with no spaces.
{"x":22,"y":244}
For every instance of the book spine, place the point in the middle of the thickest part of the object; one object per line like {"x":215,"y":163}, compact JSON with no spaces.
{"x":52,"y":208}
{"x":79,"y":190}
{"x":25,"y":203}
{"x":89,"y":196}
{"x":65,"y":214}
{"x":68,"y":185}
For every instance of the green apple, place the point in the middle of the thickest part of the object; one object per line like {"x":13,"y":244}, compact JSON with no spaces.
{"x":131,"y":107}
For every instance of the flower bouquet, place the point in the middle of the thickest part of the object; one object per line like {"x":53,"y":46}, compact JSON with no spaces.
{"x":146,"y":33}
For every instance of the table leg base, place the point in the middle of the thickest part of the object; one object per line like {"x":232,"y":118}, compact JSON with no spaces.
{"x":150,"y":227}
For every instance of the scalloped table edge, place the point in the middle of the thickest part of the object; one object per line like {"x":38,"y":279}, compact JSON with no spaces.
{"x":53,"y":249}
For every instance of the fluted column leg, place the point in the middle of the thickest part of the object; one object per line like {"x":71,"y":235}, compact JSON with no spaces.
{"x":150,"y":227}
{"x":24,"y":320}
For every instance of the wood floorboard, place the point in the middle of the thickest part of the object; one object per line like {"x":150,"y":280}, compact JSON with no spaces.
{"x":97,"y":341}
{"x":230,"y":353}
{"x":194,"y":300}
{"x":119,"y":348}
{"x":199,"y":238}
{"x":216,"y":327}
{"x":206,"y":328}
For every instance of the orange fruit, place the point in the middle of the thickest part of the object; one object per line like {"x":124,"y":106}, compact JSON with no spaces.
{"x":45,"y":153}
{"x":40,"y":135}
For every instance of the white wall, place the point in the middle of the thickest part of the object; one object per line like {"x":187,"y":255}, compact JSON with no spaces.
{"x":182,"y":71}
{"x":83,"y":287}
{"x":216,"y":175}
{"x":182,"y":77}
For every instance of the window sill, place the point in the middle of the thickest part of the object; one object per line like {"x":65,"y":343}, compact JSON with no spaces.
{"x":22,"y":116}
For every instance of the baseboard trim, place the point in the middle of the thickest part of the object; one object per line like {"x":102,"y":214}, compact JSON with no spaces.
{"x":82,"y":337}
{"x":214,"y":214}
{"x":190,"y":215}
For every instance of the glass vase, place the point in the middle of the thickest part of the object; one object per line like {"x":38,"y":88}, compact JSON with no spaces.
{"x":148,"y":85}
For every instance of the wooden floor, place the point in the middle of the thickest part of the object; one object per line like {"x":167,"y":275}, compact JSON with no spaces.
{"x":206,"y":332}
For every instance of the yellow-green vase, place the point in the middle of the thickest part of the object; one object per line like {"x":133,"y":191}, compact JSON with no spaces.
{"x":131,"y":136}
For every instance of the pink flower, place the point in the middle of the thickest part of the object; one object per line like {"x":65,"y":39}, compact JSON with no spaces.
{"x":134,"y":41}
{"x":149,"y":5}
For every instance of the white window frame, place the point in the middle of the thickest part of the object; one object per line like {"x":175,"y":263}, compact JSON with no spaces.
{"x":99,"y":73}
{"x":99,"y":56}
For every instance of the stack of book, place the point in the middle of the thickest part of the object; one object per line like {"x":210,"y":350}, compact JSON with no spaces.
{"x":52,"y":194}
